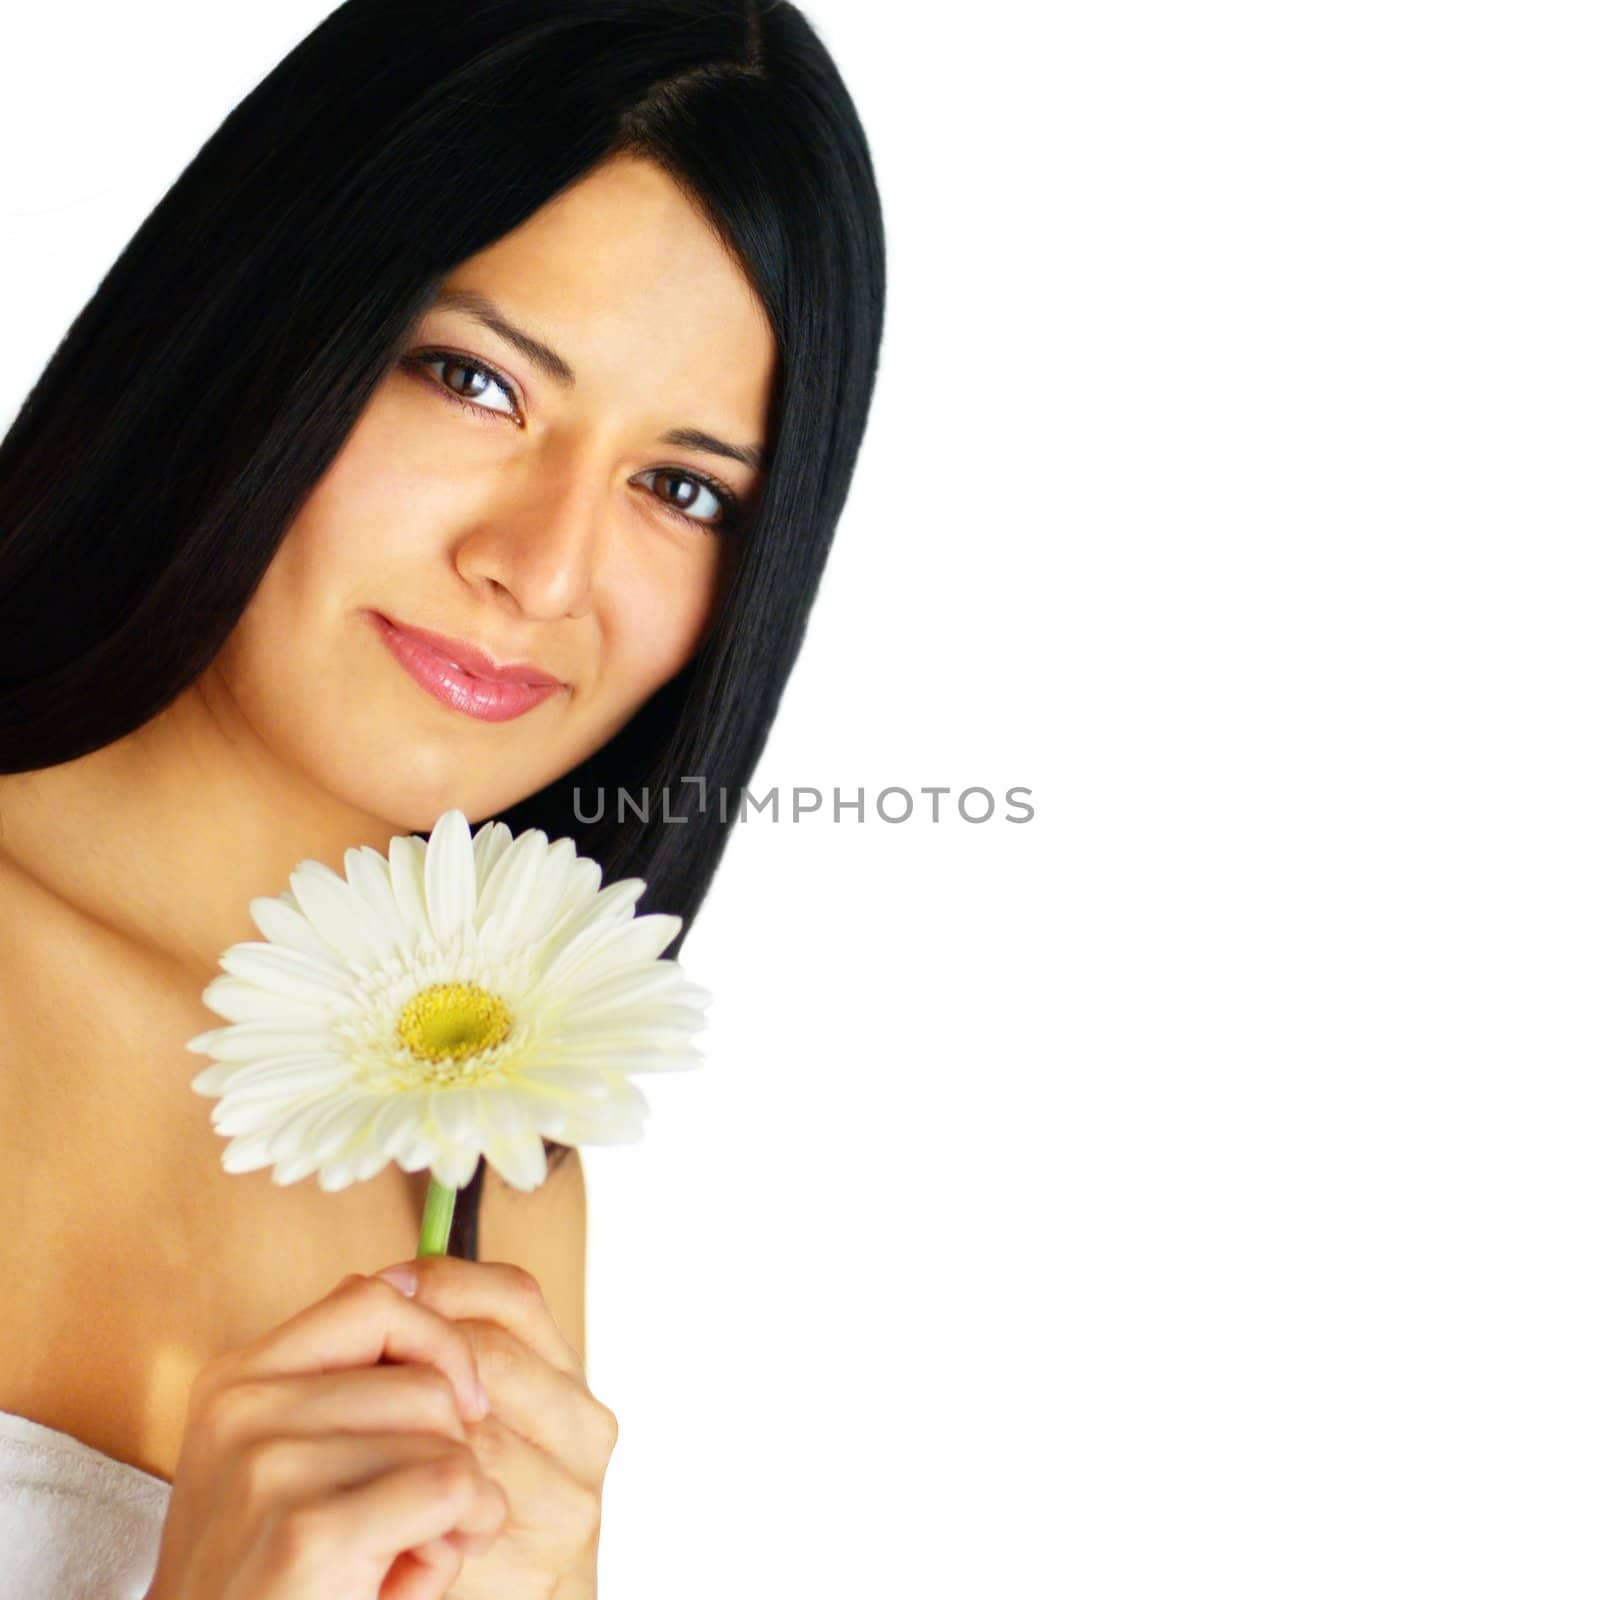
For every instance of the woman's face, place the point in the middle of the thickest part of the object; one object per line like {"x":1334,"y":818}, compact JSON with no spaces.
{"x":545,"y":476}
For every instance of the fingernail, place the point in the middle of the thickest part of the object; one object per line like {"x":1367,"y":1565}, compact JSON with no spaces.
{"x":404,"y":1278}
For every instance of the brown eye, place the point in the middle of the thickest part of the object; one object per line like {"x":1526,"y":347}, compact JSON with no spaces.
{"x":466,"y":380}
{"x":694,"y":498}
{"x":477,"y":379}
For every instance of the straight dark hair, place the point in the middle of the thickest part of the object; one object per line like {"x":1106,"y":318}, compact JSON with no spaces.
{"x":195,"y":401}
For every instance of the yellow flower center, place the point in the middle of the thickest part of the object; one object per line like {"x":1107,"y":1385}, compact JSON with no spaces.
{"x":447,"y":1022}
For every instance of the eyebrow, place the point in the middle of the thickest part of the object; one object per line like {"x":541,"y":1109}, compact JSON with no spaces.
{"x":483,"y":310}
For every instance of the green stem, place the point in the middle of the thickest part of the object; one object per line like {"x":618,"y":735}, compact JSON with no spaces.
{"x":436,"y":1213}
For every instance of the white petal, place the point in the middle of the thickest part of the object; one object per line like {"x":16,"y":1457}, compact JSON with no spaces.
{"x":368,"y":872}
{"x":395,"y":1126}
{"x":239,"y":1000}
{"x":508,"y":1110}
{"x":530,"y":904}
{"x":284,"y":923}
{"x":321,"y":1126}
{"x":512,"y":1112}
{"x":618,"y":1132}
{"x":453,"y":1165}
{"x":458,"y":1114}
{"x":284,"y":1135}
{"x":619,"y":1119}
{"x":418,"y":1154}
{"x":449,"y":877}
{"x":663,"y":980}
{"x":341,"y":915}
{"x":286,"y":1065}
{"x":245,"y":1111}
{"x":525,"y":851}
{"x":370,"y":1162}
{"x":605,"y":948}
{"x":489,"y":844}
{"x":247,"y":1154}
{"x":611,"y":904}
{"x":344,"y":1128}
{"x":580,"y":1057}
{"x":336,"y":1175}
{"x":235,"y":1118}
{"x":406,"y":852}
{"x":286,"y":1078}
{"x":289,"y":972}
{"x":547,"y":1091}
{"x":521,"y":1162}
{"x":294,"y":1169}
{"x":253,"y":1041}
{"x":215,"y":1077}
{"x":645,"y":1020}
{"x":580,"y":888}
{"x":642,"y":1027}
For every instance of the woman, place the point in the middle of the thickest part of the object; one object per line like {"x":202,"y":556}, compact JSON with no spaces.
{"x":522,"y":336}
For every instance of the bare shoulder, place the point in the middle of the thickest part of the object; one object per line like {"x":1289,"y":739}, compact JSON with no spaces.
{"x":545,"y":1233}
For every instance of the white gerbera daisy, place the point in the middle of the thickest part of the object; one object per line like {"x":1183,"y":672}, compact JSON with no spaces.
{"x":466,"y":997}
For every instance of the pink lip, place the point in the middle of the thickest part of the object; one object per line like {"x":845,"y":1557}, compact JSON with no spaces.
{"x":462,"y":676}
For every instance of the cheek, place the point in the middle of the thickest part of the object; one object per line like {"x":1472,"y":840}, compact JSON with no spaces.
{"x":288,"y":659}
{"x":378,"y":507}
{"x":374,"y":513}
{"x":656,"y":626}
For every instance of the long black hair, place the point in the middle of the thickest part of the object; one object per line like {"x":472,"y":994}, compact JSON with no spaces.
{"x":195,"y":401}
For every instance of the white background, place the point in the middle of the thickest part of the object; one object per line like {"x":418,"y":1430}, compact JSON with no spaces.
{"x":1191,"y":1191}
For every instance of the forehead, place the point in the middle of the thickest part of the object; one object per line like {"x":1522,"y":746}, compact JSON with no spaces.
{"x":625,"y":278}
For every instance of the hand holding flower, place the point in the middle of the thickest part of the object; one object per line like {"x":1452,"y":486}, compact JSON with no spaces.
{"x":546,"y":1440}
{"x":463,"y":999}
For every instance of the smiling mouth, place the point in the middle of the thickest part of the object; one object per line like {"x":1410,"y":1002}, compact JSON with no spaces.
{"x":486,"y":698}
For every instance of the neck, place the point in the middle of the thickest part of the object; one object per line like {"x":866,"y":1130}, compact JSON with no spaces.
{"x":167,"y":834}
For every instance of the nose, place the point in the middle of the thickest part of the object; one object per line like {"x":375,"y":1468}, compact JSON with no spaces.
{"x":538,"y":543}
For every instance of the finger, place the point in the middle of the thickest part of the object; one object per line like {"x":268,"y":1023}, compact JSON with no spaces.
{"x":364,"y":1498}
{"x":402,"y":1398}
{"x":425,"y":1573}
{"x":550,"y":1508}
{"x":405,"y":1508}
{"x":496,"y":1291}
{"x":288,"y":1470}
{"x":359,"y":1323}
{"x":548,"y":1407}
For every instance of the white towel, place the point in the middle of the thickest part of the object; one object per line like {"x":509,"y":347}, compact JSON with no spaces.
{"x":74,"y":1523}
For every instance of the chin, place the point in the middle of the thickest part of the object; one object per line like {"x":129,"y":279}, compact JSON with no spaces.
{"x":406,"y":801}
